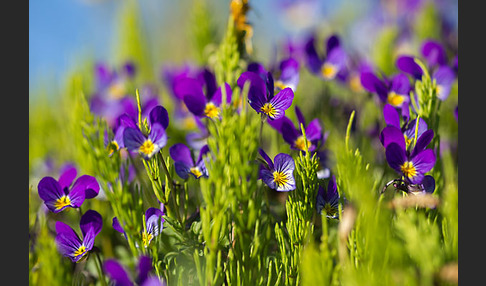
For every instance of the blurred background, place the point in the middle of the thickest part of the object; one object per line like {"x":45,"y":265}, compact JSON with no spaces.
{"x":63,"y":33}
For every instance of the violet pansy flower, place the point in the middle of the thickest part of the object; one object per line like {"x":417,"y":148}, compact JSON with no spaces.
{"x":294,"y":136}
{"x":411,"y":166}
{"x":121,"y":277}
{"x":261,"y":95}
{"x":148,"y":145}
{"x":201,"y":97}
{"x":443,"y":75}
{"x":394,"y":91}
{"x":330,"y":65}
{"x":153,"y":225}
{"x":60,"y":194}
{"x":327,"y":201}
{"x":286,"y":74}
{"x":278,"y":175}
{"x":70,"y":244}
{"x":185,"y":164}
{"x":404,"y":134}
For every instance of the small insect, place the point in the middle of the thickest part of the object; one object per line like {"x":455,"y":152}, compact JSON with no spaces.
{"x":427,"y":186}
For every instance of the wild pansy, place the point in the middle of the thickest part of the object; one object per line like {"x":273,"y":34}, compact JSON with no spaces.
{"x":153,"y":225}
{"x":286,"y":74}
{"x":148,"y":145}
{"x":394,"y":90}
{"x":443,"y":75}
{"x":328,"y":200}
{"x":62,"y":193}
{"x":70,"y":244}
{"x":261,"y":95}
{"x":294,"y":135}
{"x":278,"y":175}
{"x":120,"y":276}
{"x":184,"y":162}
{"x":408,"y":134}
{"x":330,"y":65}
{"x":412,"y":166}
{"x":201,"y":96}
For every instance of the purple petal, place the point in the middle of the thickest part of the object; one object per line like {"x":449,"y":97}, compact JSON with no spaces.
{"x":300,"y":116}
{"x":434,"y":53}
{"x":257,"y":93}
{"x":181,"y":153}
{"x":144,"y":267}
{"x":408,"y":65}
{"x":332,"y":43}
{"x":265,"y":157}
{"x":428,"y":183}
{"x":218,"y":95}
{"x":423,"y":162}
{"x":289,"y":132}
{"x":67,"y":177}
{"x":117,"y":273}
{"x":444,"y":77}
{"x":372,"y":83}
{"x":423,"y":141}
{"x":283,"y":163}
{"x":117,"y":226}
{"x":67,"y":240}
{"x":313,"y":60}
{"x":91,"y":219}
{"x":153,"y":281}
{"x":209,"y":82}
{"x":160,"y":115}
{"x":392,"y":134}
{"x":277,"y":123}
{"x":400,"y":84}
{"x":87,"y":184}
{"x":257,"y":68}
{"x":182,"y":169}
{"x":204,"y":150}
{"x":133,"y":138}
{"x":282,"y":101}
{"x":338,"y":58}
{"x":391,"y":115}
{"x":158,"y":137}
{"x":314,"y":130}
{"x":395,"y":156}
{"x":49,"y":191}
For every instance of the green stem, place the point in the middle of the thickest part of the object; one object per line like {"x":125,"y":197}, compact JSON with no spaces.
{"x":98,"y":267}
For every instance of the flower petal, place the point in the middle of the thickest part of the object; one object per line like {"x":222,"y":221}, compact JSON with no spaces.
{"x":395,"y":156}
{"x":160,"y":115}
{"x":282,"y":101}
{"x":117,"y":273}
{"x":91,"y":219}
{"x":408,"y":65}
{"x":181,"y":153}
{"x":257,"y":93}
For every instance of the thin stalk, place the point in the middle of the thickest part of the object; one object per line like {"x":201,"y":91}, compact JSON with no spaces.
{"x":98,"y":267}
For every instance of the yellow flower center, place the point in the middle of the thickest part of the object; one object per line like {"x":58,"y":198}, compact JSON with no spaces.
{"x":328,"y":71}
{"x":280,"y":178}
{"x":330,"y":210}
{"x":408,"y":169}
{"x":211,"y":110}
{"x":300,"y":143}
{"x":62,"y":202}
{"x":80,"y":251}
{"x":112,"y":147}
{"x":355,"y":84}
{"x":438,"y":89}
{"x":395,"y":99}
{"x":147,"y":147}
{"x":280,"y":85}
{"x":268,"y":109}
{"x":196,"y":172}
{"x":146,"y":238}
{"x":189,"y":123}
{"x":116,"y":90}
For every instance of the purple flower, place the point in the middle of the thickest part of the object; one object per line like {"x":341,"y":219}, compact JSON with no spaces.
{"x":443,"y":75}
{"x":330,"y":65}
{"x":404,"y":134}
{"x":201,"y":96}
{"x":60,"y":194}
{"x":286,"y":73}
{"x":411,"y":166}
{"x":148,"y":145}
{"x":328,"y":201}
{"x":294,"y":136}
{"x":153,"y":225}
{"x":117,"y":226}
{"x":434,"y":53}
{"x":279,"y":175}
{"x":184,"y":162}
{"x":197,"y":139}
{"x":394,"y":91}
{"x":121,"y":277}
{"x":261,"y":95}
{"x":70,"y":244}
